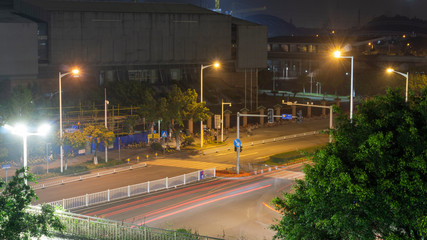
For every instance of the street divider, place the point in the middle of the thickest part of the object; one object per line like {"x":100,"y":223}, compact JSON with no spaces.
{"x":132,"y":190}
{"x":86,"y":176}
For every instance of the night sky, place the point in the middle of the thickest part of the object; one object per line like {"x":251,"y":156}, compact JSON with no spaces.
{"x":316,"y":13}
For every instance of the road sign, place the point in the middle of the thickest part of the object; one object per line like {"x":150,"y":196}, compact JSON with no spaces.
{"x":217,"y":121}
{"x":237,"y":142}
{"x":5,"y":166}
{"x":287,"y":116}
{"x":164,"y":134}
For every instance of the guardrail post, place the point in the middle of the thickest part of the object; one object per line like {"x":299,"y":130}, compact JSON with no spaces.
{"x":269,"y":169}
{"x":262,"y":171}
{"x":214,"y":172}
{"x":62,"y":182}
{"x":87,"y":200}
{"x":80,"y":178}
{"x":167,"y":183}
{"x":255,"y":172}
{"x":148,"y":186}
{"x":263,"y":142}
{"x":184,"y":178}
{"x":276,"y":167}
{"x":128,"y":190}
{"x":274,"y":139}
{"x":98,"y":175}
{"x":252,"y":143}
{"x":198,"y":175}
{"x":108,"y":194}
{"x":43,"y":186}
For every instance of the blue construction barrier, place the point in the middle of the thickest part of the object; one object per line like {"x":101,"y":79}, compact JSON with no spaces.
{"x":124,"y":140}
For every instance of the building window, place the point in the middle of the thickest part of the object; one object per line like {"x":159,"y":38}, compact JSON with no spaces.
{"x":301,"y":48}
{"x":285,"y":47}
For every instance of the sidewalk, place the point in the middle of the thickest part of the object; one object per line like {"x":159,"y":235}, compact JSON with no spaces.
{"x":248,"y":134}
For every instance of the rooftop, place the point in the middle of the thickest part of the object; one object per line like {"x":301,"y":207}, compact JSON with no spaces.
{"x":129,"y":7}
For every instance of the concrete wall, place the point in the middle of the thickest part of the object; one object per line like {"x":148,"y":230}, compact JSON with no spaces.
{"x":103,"y":38}
{"x":251,"y":46}
{"x":18,"y":48}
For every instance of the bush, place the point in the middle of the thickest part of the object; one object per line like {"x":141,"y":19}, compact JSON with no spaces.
{"x":156,"y":147}
{"x":187,"y":141}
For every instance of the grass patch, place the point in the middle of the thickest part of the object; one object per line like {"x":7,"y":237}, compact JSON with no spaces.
{"x":287,"y":157}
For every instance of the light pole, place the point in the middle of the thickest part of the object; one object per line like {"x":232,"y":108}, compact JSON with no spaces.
{"x":75,"y":73}
{"x":21,"y":130}
{"x":216,"y":65}
{"x":106,"y":102}
{"x":390,"y":70}
{"x":222,"y":118}
{"x":337,"y":54}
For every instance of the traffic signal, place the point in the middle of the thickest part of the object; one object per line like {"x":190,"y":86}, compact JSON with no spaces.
{"x":299,"y":116}
{"x":270,"y":115}
{"x":235,"y":149}
{"x":241,"y":148}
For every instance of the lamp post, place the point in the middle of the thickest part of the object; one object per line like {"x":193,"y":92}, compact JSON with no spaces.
{"x":21,"y":130}
{"x":106,"y":102}
{"x":216,"y":65}
{"x":75,"y":73}
{"x":390,"y":70}
{"x":222,"y":118}
{"x":337,"y":54}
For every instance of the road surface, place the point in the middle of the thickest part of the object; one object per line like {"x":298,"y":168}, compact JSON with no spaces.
{"x":226,"y":208}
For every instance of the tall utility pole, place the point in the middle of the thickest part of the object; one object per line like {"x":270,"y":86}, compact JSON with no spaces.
{"x":106,"y":127}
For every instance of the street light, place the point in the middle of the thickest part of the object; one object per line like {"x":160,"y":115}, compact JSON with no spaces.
{"x":337,"y":54}
{"x":391,"y":70}
{"x":215,"y":65}
{"x":22,"y":130}
{"x":75,"y":73}
{"x":222,"y":118}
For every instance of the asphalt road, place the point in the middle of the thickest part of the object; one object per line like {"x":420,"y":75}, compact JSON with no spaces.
{"x":178,"y":165}
{"x":226,"y":208}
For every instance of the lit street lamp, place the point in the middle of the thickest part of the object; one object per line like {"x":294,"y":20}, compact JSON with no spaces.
{"x":390,"y":70}
{"x":21,"y":130}
{"x":75,"y":73}
{"x":337,"y":54}
{"x":215,"y":65}
{"x":222,"y":118}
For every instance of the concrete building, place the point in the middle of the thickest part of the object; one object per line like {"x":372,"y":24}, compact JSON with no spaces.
{"x":150,"y":42}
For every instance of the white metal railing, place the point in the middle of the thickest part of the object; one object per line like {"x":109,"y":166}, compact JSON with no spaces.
{"x":79,"y":226}
{"x":132,"y":190}
{"x":251,"y":143}
{"x":87,"y":176}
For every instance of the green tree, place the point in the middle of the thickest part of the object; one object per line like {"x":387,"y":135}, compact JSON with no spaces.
{"x":181,"y":106}
{"x":98,"y":134}
{"x":370,"y":182}
{"x":20,"y":104}
{"x":417,"y":82}
{"x":15,"y":221}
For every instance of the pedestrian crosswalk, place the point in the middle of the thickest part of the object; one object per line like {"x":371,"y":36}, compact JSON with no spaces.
{"x":189,"y":164}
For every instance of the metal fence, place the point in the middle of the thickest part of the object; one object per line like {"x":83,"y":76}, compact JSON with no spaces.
{"x":85,"y":227}
{"x":87,"y":176}
{"x":251,"y":143}
{"x":132,"y":190}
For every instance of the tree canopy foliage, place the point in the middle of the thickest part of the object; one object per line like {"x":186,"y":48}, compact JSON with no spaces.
{"x":180,"y":106}
{"x":370,"y":182}
{"x":15,"y":221}
{"x":98,"y":134}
